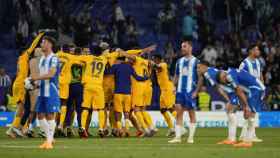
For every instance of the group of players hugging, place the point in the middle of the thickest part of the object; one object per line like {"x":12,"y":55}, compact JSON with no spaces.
{"x":52,"y":87}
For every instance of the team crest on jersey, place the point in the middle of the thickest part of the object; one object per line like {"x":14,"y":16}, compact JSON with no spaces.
{"x":185,"y":71}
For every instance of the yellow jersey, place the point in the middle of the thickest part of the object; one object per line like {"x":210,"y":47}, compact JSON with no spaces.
{"x":66,"y":61}
{"x":22,"y":69}
{"x":23,"y":62}
{"x":109,"y":79}
{"x":94,"y":67}
{"x":141,"y":67}
{"x":163,"y":77}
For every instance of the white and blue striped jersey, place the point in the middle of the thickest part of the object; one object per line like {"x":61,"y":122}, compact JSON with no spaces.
{"x":186,"y":70}
{"x":49,"y":87}
{"x":244,"y":79}
{"x":254,"y":67}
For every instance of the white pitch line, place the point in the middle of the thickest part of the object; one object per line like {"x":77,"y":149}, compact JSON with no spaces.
{"x":88,"y":147}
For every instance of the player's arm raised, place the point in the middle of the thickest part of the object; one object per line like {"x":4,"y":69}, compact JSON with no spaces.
{"x":35,"y":43}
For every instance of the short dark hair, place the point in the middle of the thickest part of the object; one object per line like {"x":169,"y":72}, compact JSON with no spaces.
{"x":65,"y":48}
{"x":252,"y":46}
{"x":157,"y":56}
{"x":50,"y":39}
{"x":204,"y":62}
{"x":122,"y":58}
{"x":78,"y":50}
{"x":218,"y":76}
{"x":187,"y":39}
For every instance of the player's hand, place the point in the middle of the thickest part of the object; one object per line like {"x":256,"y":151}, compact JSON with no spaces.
{"x":150,"y":48}
{"x":194,"y":94}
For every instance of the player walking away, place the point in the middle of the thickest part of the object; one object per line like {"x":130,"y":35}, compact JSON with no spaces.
{"x":167,"y":95}
{"x":209,"y":74}
{"x":188,"y":84}
{"x":122,"y":72}
{"x":48,"y":98}
{"x":18,"y":88}
{"x":249,"y":89}
{"x":252,"y":65}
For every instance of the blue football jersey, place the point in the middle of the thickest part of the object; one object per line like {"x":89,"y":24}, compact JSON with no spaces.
{"x":244,"y":79}
{"x":186,"y":70}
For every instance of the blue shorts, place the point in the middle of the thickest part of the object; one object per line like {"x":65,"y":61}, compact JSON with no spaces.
{"x":255,"y":100}
{"x":233,"y":99}
{"x":47,"y":104}
{"x":186,"y":100}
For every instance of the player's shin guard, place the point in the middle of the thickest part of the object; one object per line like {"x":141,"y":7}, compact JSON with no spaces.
{"x":178,"y":131}
{"x":232,"y":126}
{"x":84,"y":115}
{"x":168,"y":119}
{"x":44,"y":126}
{"x":127,"y":124}
{"x":62,"y":116}
{"x":192,"y":128}
{"x":16,"y":122}
{"x":174,"y":114}
{"x":148,"y":120}
{"x":101,"y":119}
{"x":141,"y":121}
{"x":250,"y":132}
{"x":244,"y":130}
{"x":50,"y":135}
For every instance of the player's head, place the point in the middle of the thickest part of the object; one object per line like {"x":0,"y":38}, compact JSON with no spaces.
{"x":65,"y":48}
{"x":186,"y":46}
{"x":78,"y":51}
{"x":254,"y":50}
{"x":221,"y":77}
{"x":72,"y":47}
{"x":95,"y":50}
{"x":2,"y":71}
{"x":121,"y":59}
{"x":157,"y":58}
{"x":202,"y":66}
{"x":47,"y":44}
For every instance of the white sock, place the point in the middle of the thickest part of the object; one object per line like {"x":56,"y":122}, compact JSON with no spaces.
{"x":30,"y":126}
{"x":44,"y":126}
{"x":251,"y":127}
{"x":244,"y":129}
{"x":192,"y":128}
{"x":178,"y":131}
{"x":232,"y":125}
{"x":52,"y":125}
{"x":254,"y":130}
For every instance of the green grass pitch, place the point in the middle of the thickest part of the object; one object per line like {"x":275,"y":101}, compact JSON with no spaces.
{"x":156,"y":147}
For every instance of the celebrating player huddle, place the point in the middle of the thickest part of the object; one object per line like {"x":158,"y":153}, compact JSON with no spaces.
{"x":118,"y":83}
